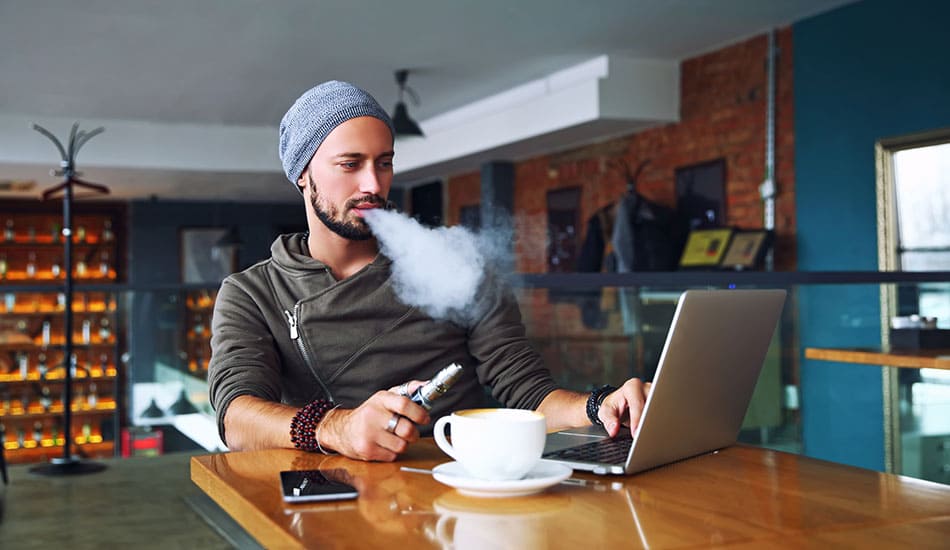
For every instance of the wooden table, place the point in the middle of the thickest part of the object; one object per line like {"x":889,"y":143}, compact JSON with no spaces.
{"x":913,"y":359}
{"x":742,"y":496}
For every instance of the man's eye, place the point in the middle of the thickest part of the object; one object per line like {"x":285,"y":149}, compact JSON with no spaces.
{"x":351,"y":165}
{"x":385,"y":164}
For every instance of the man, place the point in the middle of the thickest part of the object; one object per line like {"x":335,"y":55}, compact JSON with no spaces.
{"x":305,"y":343}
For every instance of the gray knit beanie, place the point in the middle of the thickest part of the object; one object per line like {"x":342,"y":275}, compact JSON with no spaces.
{"x":314,"y":115}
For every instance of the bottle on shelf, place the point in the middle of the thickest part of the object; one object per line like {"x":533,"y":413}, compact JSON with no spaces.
{"x":199,"y":326}
{"x":37,"y":432}
{"x":55,"y":269}
{"x":104,"y":366}
{"x":3,"y":266}
{"x":55,"y":232}
{"x":107,"y":234}
{"x":58,"y":432}
{"x":60,"y":301}
{"x":86,"y":432}
{"x":41,"y":366}
{"x":92,"y":398}
{"x":9,"y":234}
{"x":45,"y":333}
{"x":9,"y":302}
{"x":31,"y":265}
{"x":104,"y":264}
{"x":86,"y":331}
{"x":105,"y":330}
{"x":81,"y":268}
{"x":46,"y":399}
{"x":81,"y":233}
{"x":23,"y":363}
{"x":20,"y":437}
{"x":31,"y":234}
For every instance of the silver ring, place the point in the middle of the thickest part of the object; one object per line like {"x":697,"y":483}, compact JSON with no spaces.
{"x":403,"y":389}
{"x":393,"y":422}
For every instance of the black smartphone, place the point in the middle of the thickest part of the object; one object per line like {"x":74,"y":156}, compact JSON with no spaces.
{"x":312,"y":485}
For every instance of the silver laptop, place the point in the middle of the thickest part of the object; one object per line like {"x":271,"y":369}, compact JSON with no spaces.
{"x":703,"y":384}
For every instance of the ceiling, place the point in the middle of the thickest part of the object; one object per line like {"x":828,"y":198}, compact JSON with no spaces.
{"x":239,"y":64}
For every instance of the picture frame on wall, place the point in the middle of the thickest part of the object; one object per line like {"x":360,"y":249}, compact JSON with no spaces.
{"x":747,"y":250}
{"x":705,"y":248}
{"x":201,"y":260}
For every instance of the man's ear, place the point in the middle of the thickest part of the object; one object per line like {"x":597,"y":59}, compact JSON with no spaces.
{"x":302,"y":181}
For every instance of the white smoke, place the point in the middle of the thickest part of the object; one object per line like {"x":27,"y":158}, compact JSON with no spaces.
{"x":440,"y":270}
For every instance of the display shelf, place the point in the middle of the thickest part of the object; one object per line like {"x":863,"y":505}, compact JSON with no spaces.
{"x":55,"y":411}
{"x":8,"y":381}
{"x":196,"y":323}
{"x":41,"y":453}
{"x":33,"y":306}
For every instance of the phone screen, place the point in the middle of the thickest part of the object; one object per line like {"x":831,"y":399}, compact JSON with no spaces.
{"x":311,"y":485}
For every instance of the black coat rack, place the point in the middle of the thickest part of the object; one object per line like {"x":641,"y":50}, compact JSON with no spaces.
{"x":69,"y":464}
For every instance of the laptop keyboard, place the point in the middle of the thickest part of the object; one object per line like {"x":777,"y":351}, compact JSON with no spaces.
{"x":610,"y":451}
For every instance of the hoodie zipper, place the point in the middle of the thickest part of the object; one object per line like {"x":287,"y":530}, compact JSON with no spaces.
{"x":302,"y":347}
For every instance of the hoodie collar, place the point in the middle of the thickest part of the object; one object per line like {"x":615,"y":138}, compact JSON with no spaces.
{"x":290,"y":252}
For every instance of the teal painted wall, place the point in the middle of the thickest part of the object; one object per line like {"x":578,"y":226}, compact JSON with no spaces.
{"x":871,"y":70}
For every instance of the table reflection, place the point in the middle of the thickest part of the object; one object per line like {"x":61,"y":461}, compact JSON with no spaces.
{"x":468,"y":522}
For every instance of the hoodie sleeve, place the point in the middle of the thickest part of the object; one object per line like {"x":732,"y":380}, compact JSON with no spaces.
{"x":506,"y":361}
{"x":244,"y":359}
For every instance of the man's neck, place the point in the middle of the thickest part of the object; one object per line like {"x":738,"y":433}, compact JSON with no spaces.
{"x":343,"y":257}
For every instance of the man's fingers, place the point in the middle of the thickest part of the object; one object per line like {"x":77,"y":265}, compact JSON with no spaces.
{"x":407,"y":388}
{"x":393,"y":403}
{"x":627,"y":400}
{"x":636,"y":397}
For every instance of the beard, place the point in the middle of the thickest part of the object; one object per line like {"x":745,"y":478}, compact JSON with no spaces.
{"x":356,"y":230}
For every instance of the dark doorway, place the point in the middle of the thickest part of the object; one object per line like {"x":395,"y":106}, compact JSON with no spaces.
{"x":701,"y":194}
{"x":427,"y":203}
{"x":563,"y":207}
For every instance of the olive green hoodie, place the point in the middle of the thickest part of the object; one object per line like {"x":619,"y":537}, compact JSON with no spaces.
{"x":286,"y":330}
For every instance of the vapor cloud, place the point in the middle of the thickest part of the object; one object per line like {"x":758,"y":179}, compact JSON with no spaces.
{"x":440,"y":270}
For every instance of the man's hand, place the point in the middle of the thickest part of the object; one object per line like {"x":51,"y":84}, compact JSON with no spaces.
{"x":362,"y":433}
{"x":624,"y":406}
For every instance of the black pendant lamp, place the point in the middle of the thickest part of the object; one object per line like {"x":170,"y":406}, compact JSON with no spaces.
{"x":404,"y":125}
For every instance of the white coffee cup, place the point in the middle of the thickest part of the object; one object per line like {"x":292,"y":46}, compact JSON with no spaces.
{"x":493,"y":444}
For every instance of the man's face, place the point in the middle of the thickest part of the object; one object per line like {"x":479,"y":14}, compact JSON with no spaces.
{"x":351,"y":171}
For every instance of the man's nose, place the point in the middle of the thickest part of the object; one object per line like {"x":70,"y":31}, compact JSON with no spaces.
{"x":370,"y":181}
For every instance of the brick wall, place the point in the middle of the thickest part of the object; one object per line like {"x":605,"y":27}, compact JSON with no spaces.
{"x":722,"y":115}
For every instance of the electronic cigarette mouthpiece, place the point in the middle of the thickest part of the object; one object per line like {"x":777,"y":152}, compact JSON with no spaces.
{"x":438,"y":385}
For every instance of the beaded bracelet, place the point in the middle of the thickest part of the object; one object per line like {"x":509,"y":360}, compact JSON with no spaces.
{"x":304,"y":424}
{"x":594,"y":401}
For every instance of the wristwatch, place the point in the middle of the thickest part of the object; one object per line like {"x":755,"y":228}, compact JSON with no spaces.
{"x":594,"y":401}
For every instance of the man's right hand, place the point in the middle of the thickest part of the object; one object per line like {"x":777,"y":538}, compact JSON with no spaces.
{"x":361,"y":433}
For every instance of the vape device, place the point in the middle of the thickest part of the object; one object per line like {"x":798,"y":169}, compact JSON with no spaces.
{"x":438,"y":385}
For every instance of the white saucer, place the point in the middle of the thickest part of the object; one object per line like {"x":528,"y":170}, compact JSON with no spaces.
{"x":542,"y":476}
